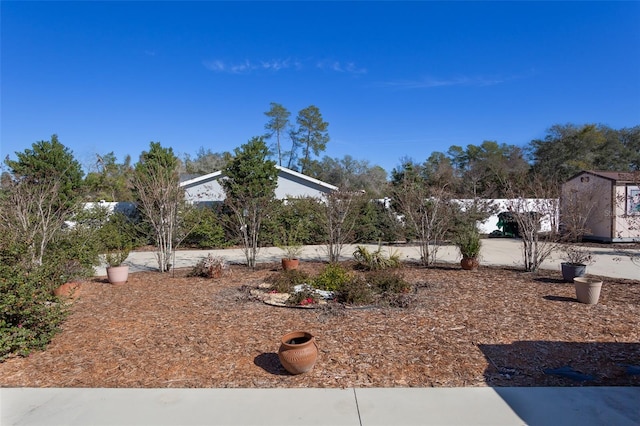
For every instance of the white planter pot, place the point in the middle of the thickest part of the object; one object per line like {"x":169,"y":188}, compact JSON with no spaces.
{"x":118,"y":274}
{"x":587,"y":290}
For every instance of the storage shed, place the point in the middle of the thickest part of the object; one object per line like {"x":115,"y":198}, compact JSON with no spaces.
{"x":608,"y":203}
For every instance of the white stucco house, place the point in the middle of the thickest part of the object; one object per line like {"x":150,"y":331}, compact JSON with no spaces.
{"x":206,"y":189}
{"x":611,"y":204}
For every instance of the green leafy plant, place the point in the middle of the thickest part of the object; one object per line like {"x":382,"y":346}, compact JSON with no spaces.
{"x":467,"y":239}
{"x":116,"y":257}
{"x":332,"y":277}
{"x":117,"y":236}
{"x":289,"y":242}
{"x":376,"y":260}
{"x":29,"y":314}
{"x":205,"y":229}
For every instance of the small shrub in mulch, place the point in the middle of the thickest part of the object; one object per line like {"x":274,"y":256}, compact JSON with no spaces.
{"x":385,"y":281}
{"x":332,"y":277}
{"x":356,"y":291}
{"x":30,"y":315}
{"x":210,"y":267}
{"x":306,"y":296}
{"x":283,"y":282}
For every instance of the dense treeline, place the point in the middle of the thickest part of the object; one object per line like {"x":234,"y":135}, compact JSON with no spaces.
{"x":488,"y":170}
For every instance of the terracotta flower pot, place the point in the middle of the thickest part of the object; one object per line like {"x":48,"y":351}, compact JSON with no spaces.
{"x":587,"y":290}
{"x":469,"y":263}
{"x":290,"y":264}
{"x":118,"y":274}
{"x":298,"y":352}
{"x":68,"y":290}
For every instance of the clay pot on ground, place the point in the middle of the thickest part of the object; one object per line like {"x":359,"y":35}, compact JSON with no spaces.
{"x":290,"y":264}
{"x":298,"y":352}
{"x":587,"y":289}
{"x":68,"y":290}
{"x":469,"y":263}
{"x":572,"y":270}
{"x":118,"y":274}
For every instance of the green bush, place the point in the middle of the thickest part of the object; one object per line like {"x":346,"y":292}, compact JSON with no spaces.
{"x":376,"y":223}
{"x":204,"y":227}
{"x":332,"y":277}
{"x":284,"y":281}
{"x":70,"y":256}
{"x":385,"y":281}
{"x":29,"y":313}
{"x":355,"y":291}
{"x":302,"y":214}
{"x":468,"y":242}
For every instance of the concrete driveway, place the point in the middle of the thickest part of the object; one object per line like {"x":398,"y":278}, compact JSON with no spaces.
{"x":609,"y":262}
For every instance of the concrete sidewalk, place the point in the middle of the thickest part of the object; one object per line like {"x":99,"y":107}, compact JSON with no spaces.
{"x":609,"y":262}
{"x":356,"y":407}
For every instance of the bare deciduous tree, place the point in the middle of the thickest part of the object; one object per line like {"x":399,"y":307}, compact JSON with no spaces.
{"x":340,"y":208}
{"x":427,"y":212}
{"x":157,"y":186}
{"x":529,"y":213}
{"x":576,"y":207}
{"x":33,"y":213}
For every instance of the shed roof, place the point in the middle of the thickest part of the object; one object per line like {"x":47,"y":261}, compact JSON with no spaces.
{"x":617,"y":177}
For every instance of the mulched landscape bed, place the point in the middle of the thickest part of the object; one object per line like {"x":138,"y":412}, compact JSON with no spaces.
{"x":490,"y":327}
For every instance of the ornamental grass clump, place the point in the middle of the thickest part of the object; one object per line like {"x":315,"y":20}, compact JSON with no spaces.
{"x":376,"y":260}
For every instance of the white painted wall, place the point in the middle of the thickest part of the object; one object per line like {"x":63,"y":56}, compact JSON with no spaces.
{"x":547,"y":223}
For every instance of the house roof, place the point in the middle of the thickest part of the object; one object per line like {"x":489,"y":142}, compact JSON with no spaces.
{"x":281,"y":171}
{"x":200,"y":179}
{"x":617,"y":177}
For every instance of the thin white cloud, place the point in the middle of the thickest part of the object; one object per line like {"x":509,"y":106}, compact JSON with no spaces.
{"x":471,"y":81}
{"x":275,"y":65}
{"x":337,"y":66}
{"x":217,"y":66}
{"x":430,"y":82}
{"x":248,"y":66}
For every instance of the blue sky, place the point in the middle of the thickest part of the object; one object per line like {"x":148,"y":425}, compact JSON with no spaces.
{"x":392,"y":79}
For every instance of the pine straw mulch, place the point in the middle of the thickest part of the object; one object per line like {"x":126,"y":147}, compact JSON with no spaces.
{"x":491,"y":327}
